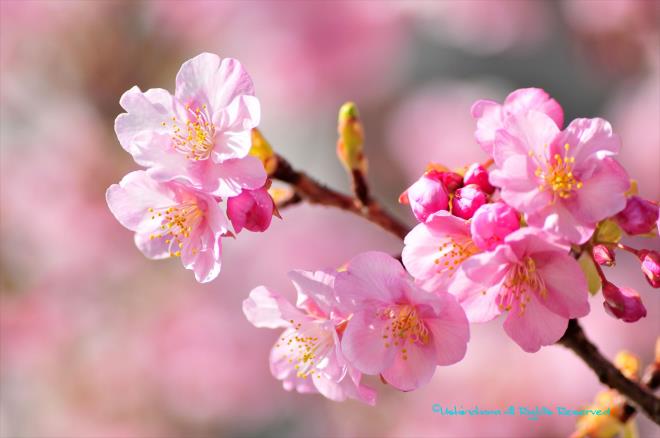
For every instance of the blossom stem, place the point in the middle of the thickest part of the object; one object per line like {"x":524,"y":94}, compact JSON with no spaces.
{"x":628,"y":248}
{"x":638,"y":396}
{"x":314,"y":192}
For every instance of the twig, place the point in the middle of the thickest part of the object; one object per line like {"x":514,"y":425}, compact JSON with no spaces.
{"x":638,"y":396}
{"x":316,"y":193}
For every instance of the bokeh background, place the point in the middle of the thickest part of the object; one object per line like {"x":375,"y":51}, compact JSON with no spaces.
{"x":97,"y":341}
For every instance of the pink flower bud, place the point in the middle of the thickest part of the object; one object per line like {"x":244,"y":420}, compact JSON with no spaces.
{"x":639,"y":216}
{"x":651,"y":266}
{"x":491,"y":223}
{"x":477,"y":174}
{"x":427,"y":195}
{"x":603,"y":255}
{"x":467,"y":200}
{"x":452,"y":181}
{"x":252,"y":210}
{"x":623,"y":303}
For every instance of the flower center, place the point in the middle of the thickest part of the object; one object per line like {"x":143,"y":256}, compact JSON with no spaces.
{"x":404,"y":325}
{"x":522,"y":280}
{"x":556,"y":175}
{"x":176,"y":224}
{"x":306,"y":349}
{"x":195,"y":137}
{"x":452,"y":253}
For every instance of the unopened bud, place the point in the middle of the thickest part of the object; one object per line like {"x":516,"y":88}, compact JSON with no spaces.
{"x":650,"y":266}
{"x":639,"y":216}
{"x":491,"y":223}
{"x":426,"y":196}
{"x":603,"y":255}
{"x":263,"y":150}
{"x":467,"y":200}
{"x":252,"y":210}
{"x":477,"y":174}
{"x":623,"y":303}
{"x":351,"y":139}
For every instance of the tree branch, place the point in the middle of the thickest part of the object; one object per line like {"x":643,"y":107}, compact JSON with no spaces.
{"x":316,"y":193}
{"x":638,"y":396}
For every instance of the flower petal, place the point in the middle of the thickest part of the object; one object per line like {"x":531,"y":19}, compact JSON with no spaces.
{"x":567,"y":288}
{"x":413,"y":372}
{"x":208,"y":79}
{"x":450,"y":330}
{"x":538,"y":326}
{"x":234,"y":123}
{"x":362,"y":343}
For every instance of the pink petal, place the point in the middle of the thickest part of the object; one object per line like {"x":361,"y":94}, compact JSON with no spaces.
{"x":526,"y":99}
{"x":489,"y":119}
{"x":450,"y":330}
{"x":604,"y":194}
{"x":537,"y":327}
{"x":233,"y":128}
{"x":478,"y":301}
{"x":416,"y":371}
{"x":232,"y":176}
{"x":141,"y":129}
{"x":363,"y":345}
{"x":207,"y":262}
{"x":587,"y":137}
{"x":130,"y":200}
{"x":265,"y":308}
{"x":207,"y":79}
{"x":371,"y":276}
{"x":524,"y":133}
{"x":315,"y":290}
{"x":558,"y":220}
{"x":567,"y":288}
{"x":154,"y":249}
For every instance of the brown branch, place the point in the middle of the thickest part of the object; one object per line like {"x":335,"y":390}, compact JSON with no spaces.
{"x":638,"y":396}
{"x":316,"y":193}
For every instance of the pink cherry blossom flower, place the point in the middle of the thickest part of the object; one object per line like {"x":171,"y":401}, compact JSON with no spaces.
{"x":639,"y":216}
{"x":397,"y":329}
{"x":563,"y":181}
{"x":491,"y":116}
{"x":201,"y":135}
{"x":308,"y":357}
{"x":467,"y":200}
{"x":477,"y":174}
{"x":171,"y":220}
{"x":492,"y":223}
{"x":427,"y":195}
{"x":623,"y":303}
{"x":533,"y":279}
{"x":252,"y":210}
{"x":434,"y":250}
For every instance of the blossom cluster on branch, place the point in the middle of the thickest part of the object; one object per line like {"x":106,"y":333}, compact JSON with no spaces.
{"x":524,"y":235}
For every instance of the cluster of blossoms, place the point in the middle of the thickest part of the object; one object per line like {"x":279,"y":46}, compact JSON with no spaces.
{"x":200,"y":183}
{"x":501,"y":241}
{"x":524,"y":234}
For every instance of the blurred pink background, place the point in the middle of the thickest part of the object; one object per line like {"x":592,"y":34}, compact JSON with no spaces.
{"x":97,"y":341}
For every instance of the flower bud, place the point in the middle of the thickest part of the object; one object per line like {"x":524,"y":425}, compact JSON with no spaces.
{"x":351,"y":139}
{"x":477,"y":174}
{"x":252,"y":210}
{"x":628,"y":364}
{"x":603,"y":255}
{"x":491,"y":223}
{"x":467,"y":200}
{"x":426,"y":196}
{"x":639,"y":216}
{"x":623,"y":303}
{"x":452,"y":181}
{"x":651,"y":266}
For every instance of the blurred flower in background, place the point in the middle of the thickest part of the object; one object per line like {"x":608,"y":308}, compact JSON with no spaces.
{"x":96,"y":341}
